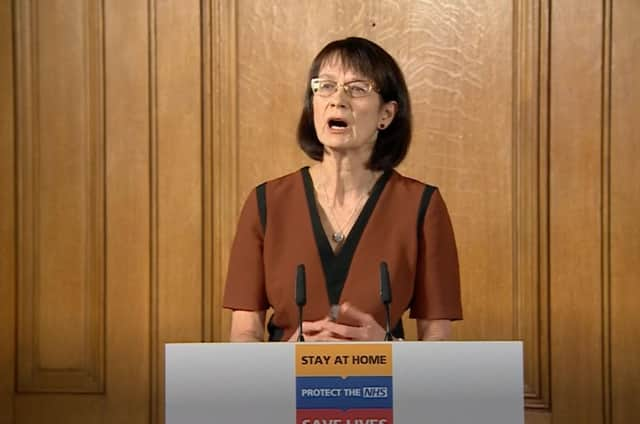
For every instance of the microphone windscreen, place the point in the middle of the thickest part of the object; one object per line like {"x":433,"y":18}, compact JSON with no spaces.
{"x":301,"y":286}
{"x":385,"y":284}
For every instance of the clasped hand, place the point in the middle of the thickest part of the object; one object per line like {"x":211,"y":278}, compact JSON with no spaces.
{"x":361,"y":327}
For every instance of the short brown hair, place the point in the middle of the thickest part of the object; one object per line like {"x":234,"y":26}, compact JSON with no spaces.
{"x":371,"y":60}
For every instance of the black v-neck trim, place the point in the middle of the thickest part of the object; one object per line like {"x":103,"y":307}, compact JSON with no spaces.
{"x":336,"y":265}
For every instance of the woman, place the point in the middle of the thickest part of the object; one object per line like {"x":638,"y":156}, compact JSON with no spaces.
{"x":344,"y":216}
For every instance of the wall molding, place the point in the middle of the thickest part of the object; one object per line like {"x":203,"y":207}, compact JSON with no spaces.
{"x":607,"y":41}
{"x":155,"y":347}
{"x":221,"y":160}
{"x":531,"y":182}
{"x":33,"y":375}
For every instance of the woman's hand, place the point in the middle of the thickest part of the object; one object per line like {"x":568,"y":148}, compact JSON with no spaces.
{"x":361,"y":327}
{"x":316,"y":331}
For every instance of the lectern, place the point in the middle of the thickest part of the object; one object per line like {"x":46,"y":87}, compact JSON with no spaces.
{"x":344,"y":383}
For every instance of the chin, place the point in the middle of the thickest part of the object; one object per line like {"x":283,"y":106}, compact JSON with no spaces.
{"x":335,"y":143}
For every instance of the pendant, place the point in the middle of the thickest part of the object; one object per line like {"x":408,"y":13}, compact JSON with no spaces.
{"x":337,"y":237}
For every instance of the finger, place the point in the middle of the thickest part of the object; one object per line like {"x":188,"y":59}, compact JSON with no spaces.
{"x":309,"y":327}
{"x":368,"y":332}
{"x":344,"y":331}
{"x":350,"y":313}
{"x":325,"y":336}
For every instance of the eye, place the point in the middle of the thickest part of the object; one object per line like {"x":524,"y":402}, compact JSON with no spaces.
{"x":327,"y":85}
{"x":359,"y":88}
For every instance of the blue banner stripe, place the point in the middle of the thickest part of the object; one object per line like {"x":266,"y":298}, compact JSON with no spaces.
{"x":344,"y":393}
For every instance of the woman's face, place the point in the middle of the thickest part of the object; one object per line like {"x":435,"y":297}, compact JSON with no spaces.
{"x":343,"y":122}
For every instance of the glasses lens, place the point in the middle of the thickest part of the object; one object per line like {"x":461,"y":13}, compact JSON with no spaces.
{"x":358,"y":88}
{"x":326,"y":88}
{"x":323,"y":87}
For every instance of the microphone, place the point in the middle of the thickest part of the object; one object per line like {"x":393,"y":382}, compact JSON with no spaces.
{"x":301,"y":297}
{"x":385,"y":297}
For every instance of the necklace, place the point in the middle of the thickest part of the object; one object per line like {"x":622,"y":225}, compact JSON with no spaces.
{"x":339,"y":234}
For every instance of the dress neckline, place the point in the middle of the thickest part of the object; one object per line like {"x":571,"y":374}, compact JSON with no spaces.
{"x":336,"y":264}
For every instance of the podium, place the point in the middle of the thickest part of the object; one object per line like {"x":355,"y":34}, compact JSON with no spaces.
{"x":344,"y":383}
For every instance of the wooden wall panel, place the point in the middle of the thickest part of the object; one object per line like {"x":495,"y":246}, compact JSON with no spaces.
{"x":178,"y":168}
{"x":220,"y":159}
{"x":176,"y":180}
{"x":7,"y":216}
{"x":271,"y":83}
{"x":531,"y":188}
{"x":61,"y":197}
{"x":458,"y":64}
{"x":128,"y":210}
{"x":576,"y":211}
{"x":126,"y":155}
{"x":625,"y":210}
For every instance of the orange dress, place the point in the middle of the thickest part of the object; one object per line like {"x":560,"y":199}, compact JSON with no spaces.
{"x":404,"y":223}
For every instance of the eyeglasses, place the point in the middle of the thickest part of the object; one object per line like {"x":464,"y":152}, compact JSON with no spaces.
{"x":357,"y":88}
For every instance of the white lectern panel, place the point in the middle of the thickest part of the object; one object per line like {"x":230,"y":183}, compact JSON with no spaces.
{"x":433,"y":382}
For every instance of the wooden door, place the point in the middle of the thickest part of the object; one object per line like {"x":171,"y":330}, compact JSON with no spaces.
{"x":131,"y":132}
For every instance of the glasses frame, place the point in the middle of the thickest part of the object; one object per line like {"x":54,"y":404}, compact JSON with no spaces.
{"x":315,"y":82}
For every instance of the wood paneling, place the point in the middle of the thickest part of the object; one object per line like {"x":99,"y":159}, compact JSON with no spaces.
{"x":155,"y":353}
{"x":271,"y":79}
{"x":221,"y":155}
{"x":576,"y":211}
{"x":459,"y":69}
{"x":178,"y":168}
{"x":625,"y":210}
{"x":524,"y":116}
{"x":531,"y":241}
{"x":177,"y":174}
{"x":7,"y":216}
{"x":126,"y":396}
{"x":537,"y":416}
{"x":128,"y":209}
{"x":60,"y":197}
{"x":605,"y":227}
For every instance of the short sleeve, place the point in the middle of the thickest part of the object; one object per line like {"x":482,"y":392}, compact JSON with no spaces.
{"x":245,"y":285}
{"x":437,"y":286}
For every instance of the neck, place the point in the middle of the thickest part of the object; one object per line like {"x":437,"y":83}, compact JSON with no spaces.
{"x":344,"y":179}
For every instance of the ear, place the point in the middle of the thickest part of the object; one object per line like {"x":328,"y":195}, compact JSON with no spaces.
{"x":387,"y":113}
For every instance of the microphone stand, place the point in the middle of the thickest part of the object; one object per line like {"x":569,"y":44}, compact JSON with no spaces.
{"x":385,"y":296}
{"x":301,"y":297}
{"x":300,"y":336}
{"x":388,"y":337}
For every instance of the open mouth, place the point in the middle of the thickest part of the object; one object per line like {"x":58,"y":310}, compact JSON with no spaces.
{"x":337,"y":124}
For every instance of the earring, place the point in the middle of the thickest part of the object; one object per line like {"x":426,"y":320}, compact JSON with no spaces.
{"x":381,"y":126}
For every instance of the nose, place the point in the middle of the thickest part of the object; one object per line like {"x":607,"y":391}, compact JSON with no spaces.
{"x":340,"y":98}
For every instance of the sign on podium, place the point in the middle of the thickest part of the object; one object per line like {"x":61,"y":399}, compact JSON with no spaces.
{"x":344,"y":383}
